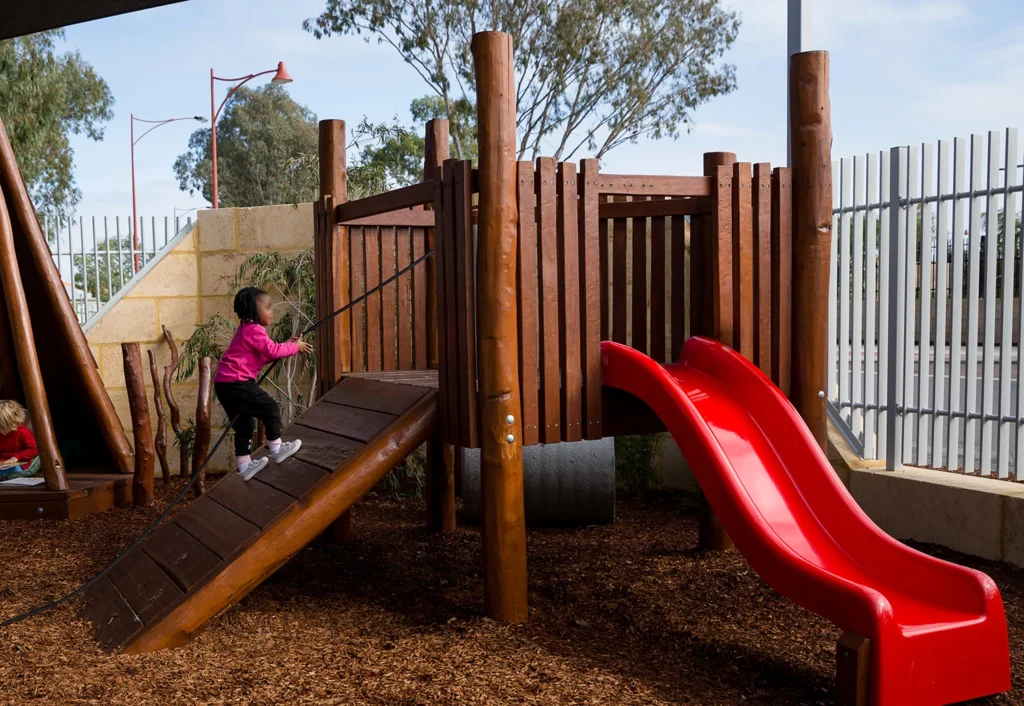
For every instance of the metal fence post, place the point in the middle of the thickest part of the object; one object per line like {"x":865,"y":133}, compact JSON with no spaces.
{"x":897,"y":309}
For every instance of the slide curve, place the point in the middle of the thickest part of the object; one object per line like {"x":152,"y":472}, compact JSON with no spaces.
{"x":938,"y":630}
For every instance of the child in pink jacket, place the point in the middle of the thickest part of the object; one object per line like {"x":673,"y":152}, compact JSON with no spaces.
{"x":235,"y":381}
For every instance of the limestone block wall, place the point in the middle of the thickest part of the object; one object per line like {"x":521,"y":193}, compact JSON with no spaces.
{"x":185,"y":287}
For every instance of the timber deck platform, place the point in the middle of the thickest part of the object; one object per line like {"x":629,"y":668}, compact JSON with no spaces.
{"x":208,"y":556}
{"x":87,"y":493}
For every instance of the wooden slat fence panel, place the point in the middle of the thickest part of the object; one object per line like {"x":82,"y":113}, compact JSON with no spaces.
{"x":388,"y":300}
{"x":592,"y":293}
{"x":762,"y":208}
{"x":371,"y":259}
{"x":570,"y":339}
{"x":659,"y":293}
{"x":679,"y":283}
{"x":638,"y":285}
{"x":445,"y":401}
{"x":550,"y":402}
{"x":743,"y":260}
{"x":357,"y":284}
{"x":403,"y":243}
{"x":529,"y":326}
{"x":782,"y":277}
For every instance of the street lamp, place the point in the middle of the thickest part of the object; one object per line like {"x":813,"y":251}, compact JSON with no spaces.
{"x":135,"y":212}
{"x":280,"y":76}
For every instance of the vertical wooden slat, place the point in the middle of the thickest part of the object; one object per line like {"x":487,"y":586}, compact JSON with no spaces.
{"x":389,"y":300}
{"x":570,"y":339}
{"x":743,"y":260}
{"x":371,"y":258}
{"x":679,"y":283}
{"x":529,"y":328}
{"x":403,"y":238}
{"x":435,"y":152}
{"x":420,"y":342}
{"x":722,"y":258}
{"x":782,"y":277}
{"x":550,"y":399}
{"x":639,"y":284}
{"x":590,"y":298}
{"x":618,"y":303}
{"x":357,"y":281}
{"x":604,"y":253}
{"x":451,"y":255}
{"x":318,"y":308}
{"x":465,"y":298}
{"x":762,"y":207}
{"x":659,"y":296}
{"x":445,"y":401}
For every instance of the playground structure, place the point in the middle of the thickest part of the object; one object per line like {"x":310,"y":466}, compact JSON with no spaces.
{"x":42,"y":348}
{"x":530,"y":331}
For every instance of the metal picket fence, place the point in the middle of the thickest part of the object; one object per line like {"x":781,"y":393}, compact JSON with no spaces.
{"x":97,"y":257}
{"x":924,"y":312}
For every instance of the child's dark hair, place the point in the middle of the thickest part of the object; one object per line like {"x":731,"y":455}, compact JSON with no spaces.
{"x":245,"y":304}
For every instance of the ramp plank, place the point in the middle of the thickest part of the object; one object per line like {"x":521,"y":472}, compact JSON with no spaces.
{"x":113,"y":619}
{"x":321,"y":448}
{"x":144,"y":585}
{"x":358,"y":424}
{"x":217,"y":528}
{"x":256,"y":502}
{"x":180,"y":555}
{"x":373,"y":395}
{"x":293,"y":477}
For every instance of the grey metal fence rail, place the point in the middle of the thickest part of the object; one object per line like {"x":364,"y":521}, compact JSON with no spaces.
{"x":98,"y":256}
{"x":925,"y":319}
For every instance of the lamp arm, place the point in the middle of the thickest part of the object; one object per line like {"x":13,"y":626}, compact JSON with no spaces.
{"x":244,"y":80}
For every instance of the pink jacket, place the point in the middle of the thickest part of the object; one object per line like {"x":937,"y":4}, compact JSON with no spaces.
{"x":249,"y":350}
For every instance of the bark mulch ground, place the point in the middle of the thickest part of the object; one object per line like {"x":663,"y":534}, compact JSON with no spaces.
{"x":623,"y":614}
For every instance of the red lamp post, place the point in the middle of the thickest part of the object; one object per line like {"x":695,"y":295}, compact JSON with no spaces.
{"x":280,"y":76}
{"x":135,"y":212}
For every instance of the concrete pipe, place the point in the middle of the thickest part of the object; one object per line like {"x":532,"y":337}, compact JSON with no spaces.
{"x":567,"y":484}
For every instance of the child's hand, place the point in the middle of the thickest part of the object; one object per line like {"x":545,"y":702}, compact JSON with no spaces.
{"x":304,"y":347}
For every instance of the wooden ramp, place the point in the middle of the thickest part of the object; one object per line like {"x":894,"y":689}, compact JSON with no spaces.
{"x":224,"y":544}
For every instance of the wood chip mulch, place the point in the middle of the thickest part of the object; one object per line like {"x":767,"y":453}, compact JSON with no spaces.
{"x":623,"y":614}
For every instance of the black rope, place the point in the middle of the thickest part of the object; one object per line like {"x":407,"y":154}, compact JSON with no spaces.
{"x":198,"y":474}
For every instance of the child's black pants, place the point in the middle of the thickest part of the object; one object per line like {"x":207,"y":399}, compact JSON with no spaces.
{"x":250,"y":402}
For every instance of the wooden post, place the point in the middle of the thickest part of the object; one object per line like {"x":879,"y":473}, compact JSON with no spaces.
{"x":501,"y":452}
{"x":710,"y":533}
{"x":435,"y":151}
{"x":853,"y":670}
{"x":334,"y":183}
{"x":28,"y":360}
{"x":440,"y":489}
{"x":161,"y":421}
{"x":811,"y":127}
{"x":145,"y":456}
{"x":337,"y":346}
{"x":202,"y":430}
{"x":10,"y":380}
{"x":169,"y":371}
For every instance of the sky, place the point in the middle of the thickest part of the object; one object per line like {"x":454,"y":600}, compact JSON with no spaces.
{"x":902,"y":71}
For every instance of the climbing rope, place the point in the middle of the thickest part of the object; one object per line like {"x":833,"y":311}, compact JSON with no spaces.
{"x":199,"y":473}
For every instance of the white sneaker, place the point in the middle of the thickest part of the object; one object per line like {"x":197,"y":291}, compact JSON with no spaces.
{"x":288,"y":448}
{"x":253,"y":467}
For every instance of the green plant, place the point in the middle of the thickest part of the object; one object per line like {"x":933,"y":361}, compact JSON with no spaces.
{"x":186,"y":438}
{"x":407,"y":479}
{"x":635,"y":471}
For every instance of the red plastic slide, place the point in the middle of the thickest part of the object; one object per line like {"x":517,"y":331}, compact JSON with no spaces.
{"x":937,"y":630}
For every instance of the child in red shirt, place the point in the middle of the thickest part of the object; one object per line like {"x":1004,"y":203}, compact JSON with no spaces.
{"x":18,"y":454}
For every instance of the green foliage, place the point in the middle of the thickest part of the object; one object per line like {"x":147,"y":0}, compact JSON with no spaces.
{"x":593,"y":74}
{"x":407,"y":479}
{"x":635,"y":471}
{"x":45,"y":97}
{"x":186,"y":438}
{"x":260,"y":133}
{"x":210,"y":339}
